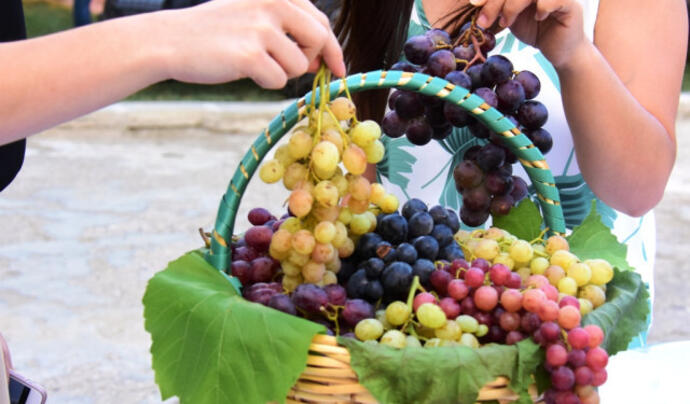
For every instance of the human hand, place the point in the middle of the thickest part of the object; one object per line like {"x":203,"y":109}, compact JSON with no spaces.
{"x":553,"y":26}
{"x":267,"y":41}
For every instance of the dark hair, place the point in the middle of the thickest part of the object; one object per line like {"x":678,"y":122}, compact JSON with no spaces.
{"x":372,"y":33}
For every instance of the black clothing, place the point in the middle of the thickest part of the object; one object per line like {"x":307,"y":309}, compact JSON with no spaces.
{"x":11,"y":28}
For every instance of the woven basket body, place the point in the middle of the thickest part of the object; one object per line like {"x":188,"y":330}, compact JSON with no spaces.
{"x":329,"y":377}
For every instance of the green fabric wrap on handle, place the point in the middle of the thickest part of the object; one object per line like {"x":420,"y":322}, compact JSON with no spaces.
{"x":530,"y":156}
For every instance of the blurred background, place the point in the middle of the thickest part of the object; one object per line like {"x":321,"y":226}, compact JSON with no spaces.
{"x":107,"y":200}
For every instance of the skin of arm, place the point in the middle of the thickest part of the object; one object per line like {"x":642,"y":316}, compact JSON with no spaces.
{"x":49,"y":80}
{"x":620,"y":94}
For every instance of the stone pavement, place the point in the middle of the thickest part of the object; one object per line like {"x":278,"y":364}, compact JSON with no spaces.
{"x":106,"y":201}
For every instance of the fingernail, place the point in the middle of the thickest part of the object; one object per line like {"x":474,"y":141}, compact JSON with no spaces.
{"x":343,"y":68}
{"x":482,"y":20}
{"x":476,"y":2}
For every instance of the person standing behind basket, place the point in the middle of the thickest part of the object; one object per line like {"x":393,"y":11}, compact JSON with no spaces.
{"x":610,"y":71}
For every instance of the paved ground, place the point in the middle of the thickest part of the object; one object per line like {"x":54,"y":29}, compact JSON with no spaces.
{"x":98,"y":209}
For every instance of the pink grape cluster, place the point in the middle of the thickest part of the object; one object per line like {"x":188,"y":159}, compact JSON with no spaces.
{"x":513,"y":310}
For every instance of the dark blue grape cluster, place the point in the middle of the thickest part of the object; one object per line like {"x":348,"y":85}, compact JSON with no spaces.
{"x":404,"y":245}
{"x":485,"y":177}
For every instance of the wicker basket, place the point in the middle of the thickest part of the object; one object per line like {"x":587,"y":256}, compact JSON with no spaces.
{"x":329,"y":377}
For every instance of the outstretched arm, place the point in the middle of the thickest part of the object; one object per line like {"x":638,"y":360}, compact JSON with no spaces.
{"x":620,"y":94}
{"x":52,"y":79}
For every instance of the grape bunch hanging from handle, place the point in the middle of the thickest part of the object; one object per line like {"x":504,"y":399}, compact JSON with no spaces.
{"x":485,"y":176}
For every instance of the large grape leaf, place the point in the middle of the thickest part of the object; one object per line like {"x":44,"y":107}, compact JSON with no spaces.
{"x":210,"y":346}
{"x":624,"y":315}
{"x":524,"y":221}
{"x":442,"y":375}
{"x":592,"y":239}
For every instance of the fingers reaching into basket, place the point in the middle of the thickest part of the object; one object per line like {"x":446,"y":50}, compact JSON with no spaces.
{"x":268,"y":41}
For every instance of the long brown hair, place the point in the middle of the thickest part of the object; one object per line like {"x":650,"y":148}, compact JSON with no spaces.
{"x":372,"y":33}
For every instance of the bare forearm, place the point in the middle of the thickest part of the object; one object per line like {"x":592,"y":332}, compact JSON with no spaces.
{"x":59,"y":77}
{"x":624,"y":152}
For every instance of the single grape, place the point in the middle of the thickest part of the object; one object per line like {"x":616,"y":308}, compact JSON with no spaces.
{"x":441,"y":62}
{"x":511,"y":300}
{"x":486,"y":298}
{"x":394,"y":228}
{"x":242,"y":271}
{"x":519,"y":191}
{"x":515,"y":281}
{"x":426,"y":246}
{"x":498,"y":183}
{"x":602,"y":271}
{"x":530,"y":83}
{"x":548,"y":311}
{"x":310,"y":298}
{"x":510,"y":96}
{"x":283,"y":303}
{"x":392,"y":125}
{"x":596,"y":335}
{"x":418,"y":48}
{"x":408,"y":105}
{"x":583,"y":376}
{"x":459,"y":78}
{"x":475,"y":73}
{"x":397,"y":279}
{"x":368,"y":329}
{"x":513,"y":337}
{"x":568,"y":286}
{"x":488,"y":95}
{"x":550,"y":331}
{"x":259,"y":238}
{"x":431,"y":315}
{"x":450,"y":307}
{"x":356,"y":310}
{"x":576,"y":358}
{"x":438,"y":36}
{"x":449,"y":331}
{"x":442,"y":234}
{"x":456,"y":115}
{"x":532,"y":114}
{"x":569,"y":317}
{"x":419,"y":132}
{"x":261,"y":269}
{"x":562,"y":378}
{"x":509,"y":321}
{"x":496,"y":70}
{"x":467,"y":174}
{"x":599,"y":377}
{"x":394,"y":338}
{"x":397,"y":313}
{"x":420,"y":224}
{"x":530,"y":322}
{"x":463,"y":52}
{"x":457,"y":289}
{"x":422,"y":298}
{"x":355,"y":160}
{"x":476,"y":199}
{"x":597,"y":358}
{"x":404,"y":66}
{"x":440,"y":280}
{"x":259,"y":216}
{"x":478,"y":129}
{"x":490,"y":157}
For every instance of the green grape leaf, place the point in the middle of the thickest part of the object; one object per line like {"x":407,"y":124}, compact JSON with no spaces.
{"x":524,"y":221}
{"x":442,"y":375}
{"x":624,"y":315}
{"x":592,"y":239}
{"x":210,"y":346}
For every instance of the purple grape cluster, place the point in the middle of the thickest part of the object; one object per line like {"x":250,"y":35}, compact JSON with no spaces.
{"x":403,"y":246}
{"x":485,"y":177}
{"x":251,"y":262}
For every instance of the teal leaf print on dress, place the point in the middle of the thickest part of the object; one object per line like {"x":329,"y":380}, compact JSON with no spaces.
{"x":455,"y":144}
{"x":396,"y":162}
{"x":576,"y":197}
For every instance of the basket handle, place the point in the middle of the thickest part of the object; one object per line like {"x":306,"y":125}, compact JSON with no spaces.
{"x":529,"y":156}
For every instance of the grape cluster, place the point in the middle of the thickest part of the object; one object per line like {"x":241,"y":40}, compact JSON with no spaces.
{"x":327,"y":305}
{"x":251,"y":262}
{"x":401,"y":247}
{"x":329,"y":208}
{"x":484,"y":178}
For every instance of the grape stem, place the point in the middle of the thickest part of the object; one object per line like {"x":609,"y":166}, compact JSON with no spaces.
{"x":205,"y":237}
{"x":540,"y":237}
{"x":410,"y":298}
